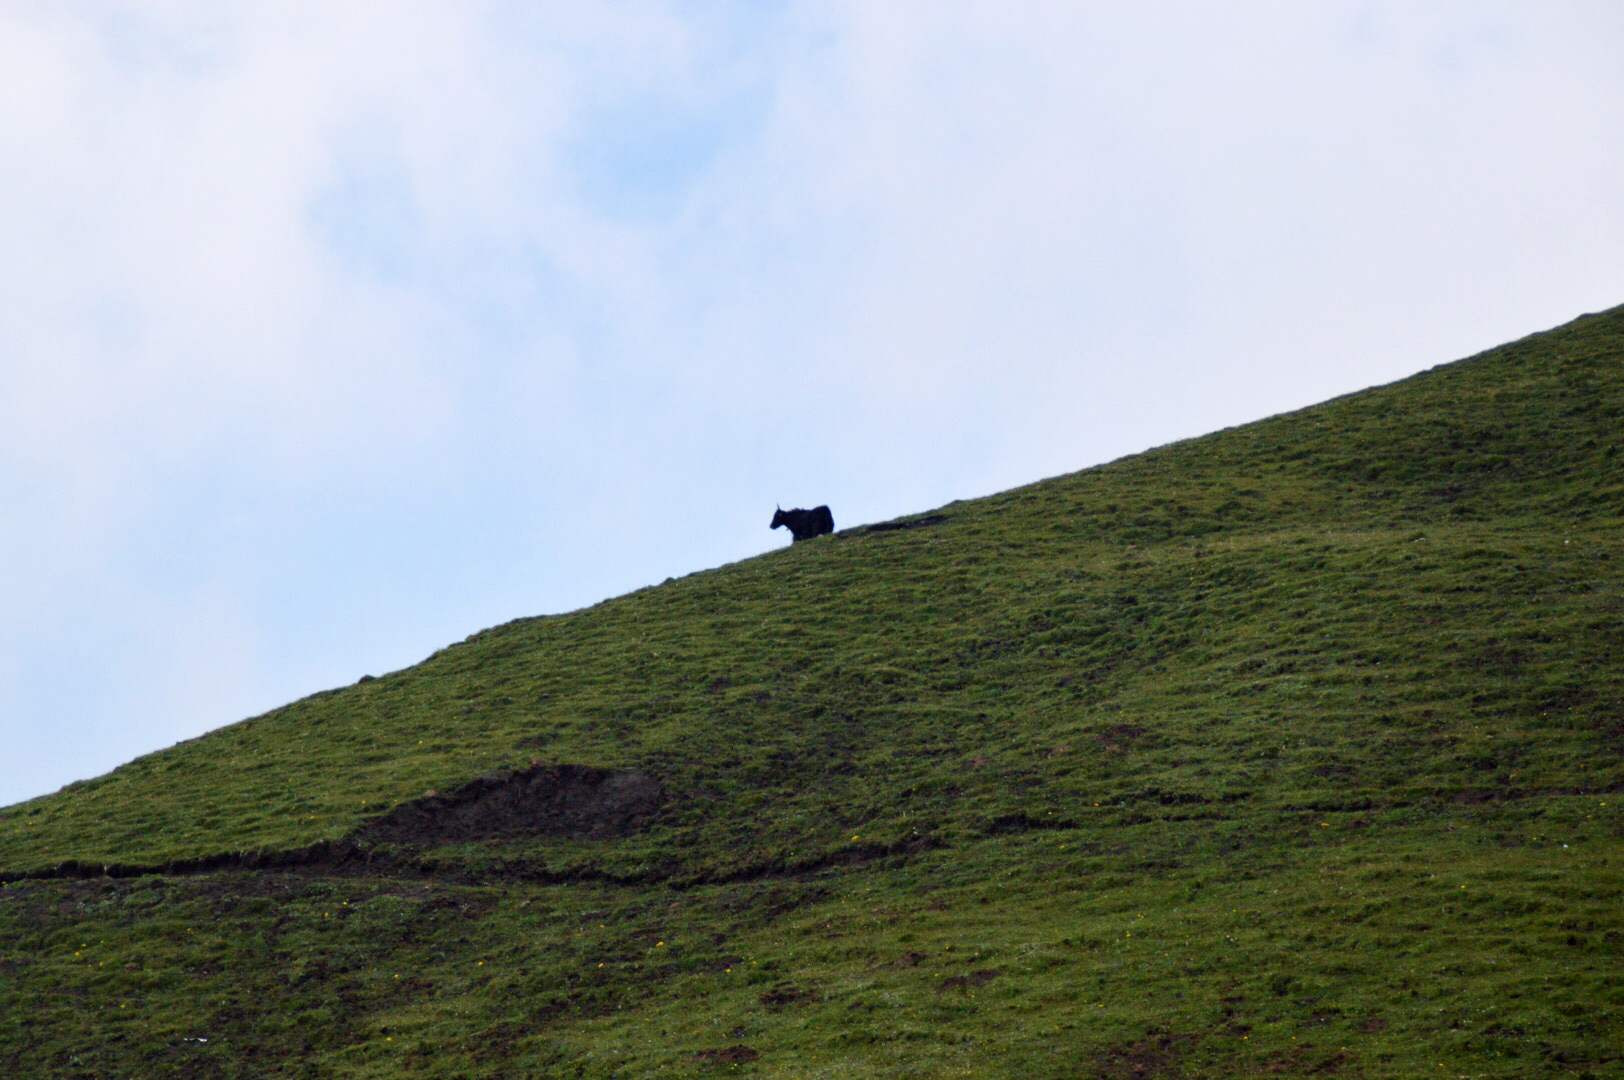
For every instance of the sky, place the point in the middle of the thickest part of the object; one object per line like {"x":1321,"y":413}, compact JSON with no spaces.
{"x":333,"y":332}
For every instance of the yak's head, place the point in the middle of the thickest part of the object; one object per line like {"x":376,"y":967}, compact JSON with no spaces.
{"x":779,"y":519}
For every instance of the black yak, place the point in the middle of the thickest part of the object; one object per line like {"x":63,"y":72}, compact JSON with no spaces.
{"x":805,"y":524}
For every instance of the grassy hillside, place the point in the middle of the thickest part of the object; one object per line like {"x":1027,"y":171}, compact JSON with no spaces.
{"x":1296,"y":748}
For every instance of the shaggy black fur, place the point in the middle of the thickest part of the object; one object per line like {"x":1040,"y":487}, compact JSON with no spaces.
{"x":805,"y":524}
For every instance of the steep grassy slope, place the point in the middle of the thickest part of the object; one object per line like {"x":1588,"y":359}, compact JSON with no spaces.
{"x":1293,"y":748}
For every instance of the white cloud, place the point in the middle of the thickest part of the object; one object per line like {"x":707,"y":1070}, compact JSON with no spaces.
{"x":1129,"y":207}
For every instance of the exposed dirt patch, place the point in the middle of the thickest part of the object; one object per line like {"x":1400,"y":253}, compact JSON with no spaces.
{"x":1148,"y":1058}
{"x":962,"y":983}
{"x":729,"y":1055}
{"x":543,"y":800}
{"x":782,"y":995}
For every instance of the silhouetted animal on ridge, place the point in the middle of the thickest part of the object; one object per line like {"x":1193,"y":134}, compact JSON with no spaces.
{"x":805,"y":524}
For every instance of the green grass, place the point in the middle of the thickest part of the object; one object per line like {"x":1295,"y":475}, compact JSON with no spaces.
{"x":1294,"y":749}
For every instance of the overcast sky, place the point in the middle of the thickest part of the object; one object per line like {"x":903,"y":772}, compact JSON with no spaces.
{"x":333,"y":332}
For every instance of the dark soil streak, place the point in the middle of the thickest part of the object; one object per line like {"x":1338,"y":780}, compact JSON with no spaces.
{"x":544,"y":800}
{"x":911,"y":523}
{"x":856,"y":855}
{"x":1364,"y":803}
